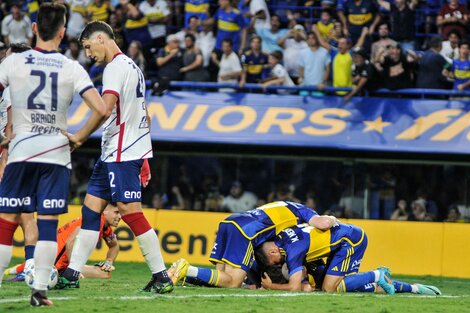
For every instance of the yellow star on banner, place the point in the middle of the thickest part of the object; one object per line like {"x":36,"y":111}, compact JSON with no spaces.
{"x":377,"y":125}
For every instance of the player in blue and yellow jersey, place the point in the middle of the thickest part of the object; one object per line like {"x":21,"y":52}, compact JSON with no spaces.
{"x":255,"y":62}
{"x":460,"y":68}
{"x":356,"y":14}
{"x":344,"y":245}
{"x":136,"y":25}
{"x":239,"y":234}
{"x":98,"y":10}
{"x":199,"y":8}
{"x":230,"y":24}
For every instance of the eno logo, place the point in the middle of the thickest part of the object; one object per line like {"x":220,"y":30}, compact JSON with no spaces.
{"x":132,"y":194}
{"x":53,"y":203}
{"x":15,"y":202}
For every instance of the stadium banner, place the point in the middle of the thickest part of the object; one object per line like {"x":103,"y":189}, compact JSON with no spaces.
{"x":380,"y":124}
{"x":409,"y":248}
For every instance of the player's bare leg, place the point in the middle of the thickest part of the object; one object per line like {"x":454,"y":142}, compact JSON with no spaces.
{"x":330,"y":283}
{"x":95,"y":272}
{"x":8,"y":225}
{"x":149,"y":245}
{"x":85,"y":242}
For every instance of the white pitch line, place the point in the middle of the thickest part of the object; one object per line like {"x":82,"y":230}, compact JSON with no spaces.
{"x":222,"y":295}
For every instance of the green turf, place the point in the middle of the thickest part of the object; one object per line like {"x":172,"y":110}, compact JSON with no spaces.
{"x":120,"y":294}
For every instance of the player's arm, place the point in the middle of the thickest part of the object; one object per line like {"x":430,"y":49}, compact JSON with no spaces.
{"x":295,"y":282}
{"x":113,"y":250}
{"x":323,"y":222}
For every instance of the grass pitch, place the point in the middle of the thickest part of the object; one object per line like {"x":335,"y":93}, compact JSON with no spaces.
{"x":120,"y":294}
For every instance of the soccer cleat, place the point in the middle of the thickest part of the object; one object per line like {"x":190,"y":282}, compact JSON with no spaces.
{"x":428,"y":290}
{"x":158,"y":286}
{"x":178,"y":270}
{"x":64,"y":283}
{"x":385,"y":280}
{"x":18,"y":277}
{"x":39,"y":298}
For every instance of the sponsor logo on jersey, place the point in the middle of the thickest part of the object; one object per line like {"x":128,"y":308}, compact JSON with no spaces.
{"x":29,"y":59}
{"x":14,"y":202}
{"x":53,"y":203}
{"x":132,"y":194}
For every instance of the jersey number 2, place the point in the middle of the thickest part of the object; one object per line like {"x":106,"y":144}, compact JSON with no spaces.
{"x":42,"y":84}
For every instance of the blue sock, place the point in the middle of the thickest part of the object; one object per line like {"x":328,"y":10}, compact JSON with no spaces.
{"x":47,"y":230}
{"x":353,"y":282}
{"x":367,"y":288}
{"x":401,"y":286}
{"x":90,"y":219}
{"x":28,"y":252}
{"x":208,"y":276}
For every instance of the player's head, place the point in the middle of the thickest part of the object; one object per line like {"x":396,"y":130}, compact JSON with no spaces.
{"x":17,"y":48}
{"x":94,"y":39}
{"x":50,"y":24}
{"x":268,"y":254}
{"x":111,"y":215}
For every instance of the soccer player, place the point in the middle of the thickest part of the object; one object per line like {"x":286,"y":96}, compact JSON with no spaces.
{"x":343,"y":244}
{"x":42,"y":84}
{"x":239,"y":234}
{"x":125,"y":144}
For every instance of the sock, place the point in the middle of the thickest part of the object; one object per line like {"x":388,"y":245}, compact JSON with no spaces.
{"x":148,"y":242}
{"x":206,"y":275}
{"x":353,"y":282}
{"x":197,"y":282}
{"x":45,"y":252}
{"x":85,"y":243}
{"x":28,"y":252}
{"x":401,"y":286}
{"x":372,"y":287}
{"x":7,"y":229}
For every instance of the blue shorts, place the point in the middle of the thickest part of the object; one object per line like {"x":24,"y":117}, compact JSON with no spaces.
{"x":28,"y":187}
{"x":232,"y":248}
{"x":347,"y":258}
{"x":116,"y":181}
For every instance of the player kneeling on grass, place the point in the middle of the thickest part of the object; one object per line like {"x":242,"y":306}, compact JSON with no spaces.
{"x":65,"y":239}
{"x":344,"y":245}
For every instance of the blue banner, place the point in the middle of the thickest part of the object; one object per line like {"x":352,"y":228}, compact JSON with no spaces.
{"x":381,"y":124}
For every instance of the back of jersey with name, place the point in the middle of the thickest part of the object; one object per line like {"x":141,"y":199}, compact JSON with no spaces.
{"x":42,"y":85}
{"x":126,"y":134}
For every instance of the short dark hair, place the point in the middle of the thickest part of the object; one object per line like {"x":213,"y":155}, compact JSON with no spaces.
{"x":96,"y":26}
{"x":19,"y":47}
{"x":229,"y":41}
{"x":435,"y":42}
{"x":51,"y":17}
{"x":253,"y":37}
{"x":454,"y":32}
{"x":193,"y":38}
{"x":261,"y":257}
{"x":464,"y":43}
{"x":277,"y":54}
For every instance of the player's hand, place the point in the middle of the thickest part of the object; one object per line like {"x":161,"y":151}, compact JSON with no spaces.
{"x":145,"y":174}
{"x":105,"y":266}
{"x":266,"y":281}
{"x":461,"y":87}
{"x":74,"y":141}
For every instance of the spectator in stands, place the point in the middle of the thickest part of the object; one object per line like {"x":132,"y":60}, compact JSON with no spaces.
{"x":214,"y":200}
{"x":74,"y":52}
{"x":454,"y":216}
{"x":460,"y":68}
{"x":136,"y":24}
{"x":283,"y":192}
{"x":16,"y":27}
{"x":193,"y":69}
{"x":293,"y":43}
{"x":115,"y":21}
{"x":135,"y":53}
{"x":356,"y":14}
{"x":76,"y":20}
{"x":400,"y":213}
{"x":418,"y":211}
{"x":259,"y":14}
{"x":362,"y":72}
{"x":384,"y":40}
{"x":230,"y":25}
{"x":255,"y":62}
{"x":270,"y":37}
{"x":395,"y":67}
{"x":278,"y":75}
{"x":239,"y":200}
{"x":453,"y":16}
{"x":450,"y":47}
{"x":98,"y":10}
{"x":342,"y":66}
{"x":230,"y":68}
{"x":402,"y":16}
{"x":430,"y":67}
{"x":314,"y":64}
{"x":192,"y":28}
{"x":158,"y":16}
{"x":325,"y":24}
{"x":205,"y":41}
{"x":169,"y":61}
{"x":196,"y":8}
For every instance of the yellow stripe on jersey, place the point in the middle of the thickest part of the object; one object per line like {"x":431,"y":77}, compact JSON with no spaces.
{"x":79,"y":9}
{"x":462,"y":74}
{"x":228,"y":26}
{"x":281,"y":217}
{"x":254,"y":69}
{"x":130,"y":24}
{"x":153,"y":15}
{"x":33,"y":7}
{"x":320,"y":244}
{"x":248,"y":255}
{"x":98,"y":13}
{"x":349,"y":241}
{"x":193,"y":8}
{"x":231,"y":264}
{"x":359,"y":19}
{"x":245,"y":235}
{"x":217,"y":278}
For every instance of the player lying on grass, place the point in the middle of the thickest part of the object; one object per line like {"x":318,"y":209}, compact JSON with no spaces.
{"x":344,"y":245}
{"x":66,"y":236}
{"x":239,"y":234}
